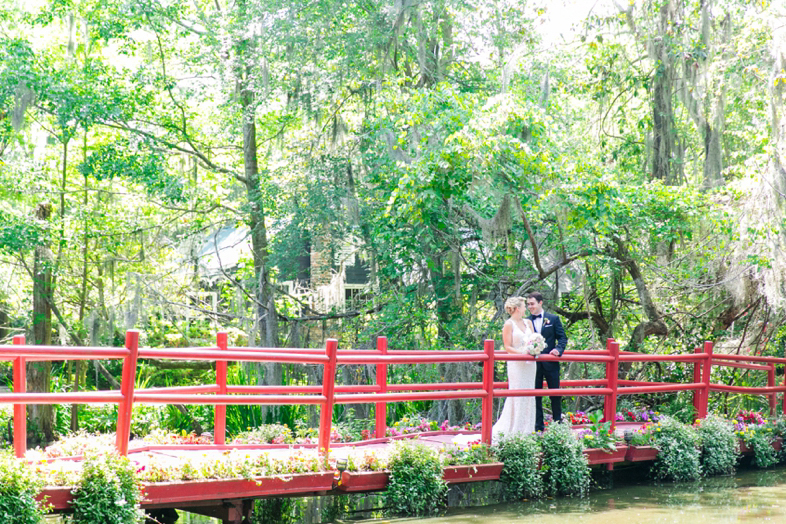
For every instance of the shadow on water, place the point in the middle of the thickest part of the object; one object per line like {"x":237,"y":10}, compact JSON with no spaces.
{"x":749,"y":496}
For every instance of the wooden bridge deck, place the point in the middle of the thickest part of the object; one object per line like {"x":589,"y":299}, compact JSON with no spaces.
{"x":231,"y":499}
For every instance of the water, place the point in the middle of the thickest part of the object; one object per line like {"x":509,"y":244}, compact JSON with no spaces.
{"x":749,"y":496}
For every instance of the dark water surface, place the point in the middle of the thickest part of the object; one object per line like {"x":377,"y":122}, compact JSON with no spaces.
{"x":748,"y":496}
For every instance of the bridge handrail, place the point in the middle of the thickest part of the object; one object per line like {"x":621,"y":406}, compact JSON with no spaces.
{"x":327,"y":394}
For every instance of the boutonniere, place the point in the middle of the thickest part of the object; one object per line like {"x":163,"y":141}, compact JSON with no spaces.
{"x":546,"y":321}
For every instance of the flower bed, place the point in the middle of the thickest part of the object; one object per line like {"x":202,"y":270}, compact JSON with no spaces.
{"x":207,"y":490}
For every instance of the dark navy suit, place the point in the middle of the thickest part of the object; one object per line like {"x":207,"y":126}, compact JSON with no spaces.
{"x":555,"y":337}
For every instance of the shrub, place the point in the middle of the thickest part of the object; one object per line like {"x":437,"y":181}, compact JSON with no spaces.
{"x":19,"y":486}
{"x":416,"y":486}
{"x":565,"y":468}
{"x":520,"y":476}
{"x":108,"y":491}
{"x":719,"y":446}
{"x":764,"y":455}
{"x":678,"y":457}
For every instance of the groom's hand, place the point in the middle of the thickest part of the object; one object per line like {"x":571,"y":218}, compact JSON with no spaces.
{"x":554,"y":352}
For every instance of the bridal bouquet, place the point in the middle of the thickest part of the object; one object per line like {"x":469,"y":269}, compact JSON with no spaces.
{"x":534,"y":344}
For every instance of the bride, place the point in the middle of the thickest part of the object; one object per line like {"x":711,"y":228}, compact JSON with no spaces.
{"x":518,"y":413}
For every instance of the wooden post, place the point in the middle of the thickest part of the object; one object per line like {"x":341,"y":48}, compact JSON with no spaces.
{"x":127,"y":391}
{"x":705,"y":375}
{"x":783,"y":407}
{"x":20,"y":410}
{"x":381,"y":408}
{"x":220,"y":410}
{"x":612,"y":374}
{"x":771,"y":383}
{"x":488,"y":388}
{"x":328,"y":388}
{"x":697,"y":393}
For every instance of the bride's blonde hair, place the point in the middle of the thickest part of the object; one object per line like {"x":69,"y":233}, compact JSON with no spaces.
{"x":512,"y":303}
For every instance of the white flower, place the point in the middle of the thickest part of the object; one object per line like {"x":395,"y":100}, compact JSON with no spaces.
{"x":534,"y":344}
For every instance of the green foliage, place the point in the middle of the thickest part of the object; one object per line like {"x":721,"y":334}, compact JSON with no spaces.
{"x":565,"y":468}
{"x":19,"y":486}
{"x":520,"y":476}
{"x":679,"y":456}
{"x":278,"y":510}
{"x":19,"y":235}
{"x":719,"y":446}
{"x":108,"y":491}
{"x":598,"y":434}
{"x":764,"y":455}
{"x":416,"y":486}
{"x":143,"y":167}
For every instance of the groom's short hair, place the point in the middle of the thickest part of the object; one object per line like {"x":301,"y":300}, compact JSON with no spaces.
{"x":537,"y":296}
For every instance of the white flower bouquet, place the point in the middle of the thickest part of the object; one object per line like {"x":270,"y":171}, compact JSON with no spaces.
{"x":534,"y":344}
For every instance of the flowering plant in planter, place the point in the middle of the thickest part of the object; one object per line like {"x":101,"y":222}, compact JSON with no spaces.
{"x":265,"y":434}
{"x":369,"y":461}
{"x":755,"y":431}
{"x":474,"y":453}
{"x":643,"y":436}
{"x":78,"y":443}
{"x":159,"y":436}
{"x":599,"y":434}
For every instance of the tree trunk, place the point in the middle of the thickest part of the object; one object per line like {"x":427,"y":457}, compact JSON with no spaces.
{"x":39,"y":373}
{"x":265,"y":298}
{"x":3,"y":320}
{"x":662,"y":110}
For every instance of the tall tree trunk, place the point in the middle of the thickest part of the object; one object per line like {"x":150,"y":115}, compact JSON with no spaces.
{"x":265,"y":297}
{"x":3,"y":320}
{"x":662,"y":110}
{"x":39,"y":373}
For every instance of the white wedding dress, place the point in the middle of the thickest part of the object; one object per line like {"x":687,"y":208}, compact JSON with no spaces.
{"x":518,"y":413}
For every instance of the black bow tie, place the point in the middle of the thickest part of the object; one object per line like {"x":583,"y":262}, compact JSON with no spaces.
{"x":537,"y":316}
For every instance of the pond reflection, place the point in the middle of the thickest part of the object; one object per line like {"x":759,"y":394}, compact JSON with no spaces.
{"x":749,"y":496}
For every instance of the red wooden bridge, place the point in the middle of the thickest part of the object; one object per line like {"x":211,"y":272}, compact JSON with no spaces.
{"x":230,"y":499}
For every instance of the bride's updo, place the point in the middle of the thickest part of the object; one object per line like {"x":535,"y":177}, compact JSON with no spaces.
{"x":512,"y":303}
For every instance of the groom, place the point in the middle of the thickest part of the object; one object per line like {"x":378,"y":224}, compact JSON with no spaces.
{"x":550,"y":327}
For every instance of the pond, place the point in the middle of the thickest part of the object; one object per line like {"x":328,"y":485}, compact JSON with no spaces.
{"x":749,"y":496}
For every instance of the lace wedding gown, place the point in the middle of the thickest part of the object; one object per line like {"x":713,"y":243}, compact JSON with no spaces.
{"x":518,"y":413}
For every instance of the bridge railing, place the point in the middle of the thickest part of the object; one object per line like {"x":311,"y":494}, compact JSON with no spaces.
{"x":327,"y":394}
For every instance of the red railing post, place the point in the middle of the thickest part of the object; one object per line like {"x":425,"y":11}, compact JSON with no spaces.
{"x":381,"y":409}
{"x":20,"y":410}
{"x":328,"y":388}
{"x":488,"y":387}
{"x":612,"y":374}
{"x":220,"y":410}
{"x":705,"y":375}
{"x":127,"y":391}
{"x":783,"y":407}
{"x":771,"y":384}
{"x":697,"y":393}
